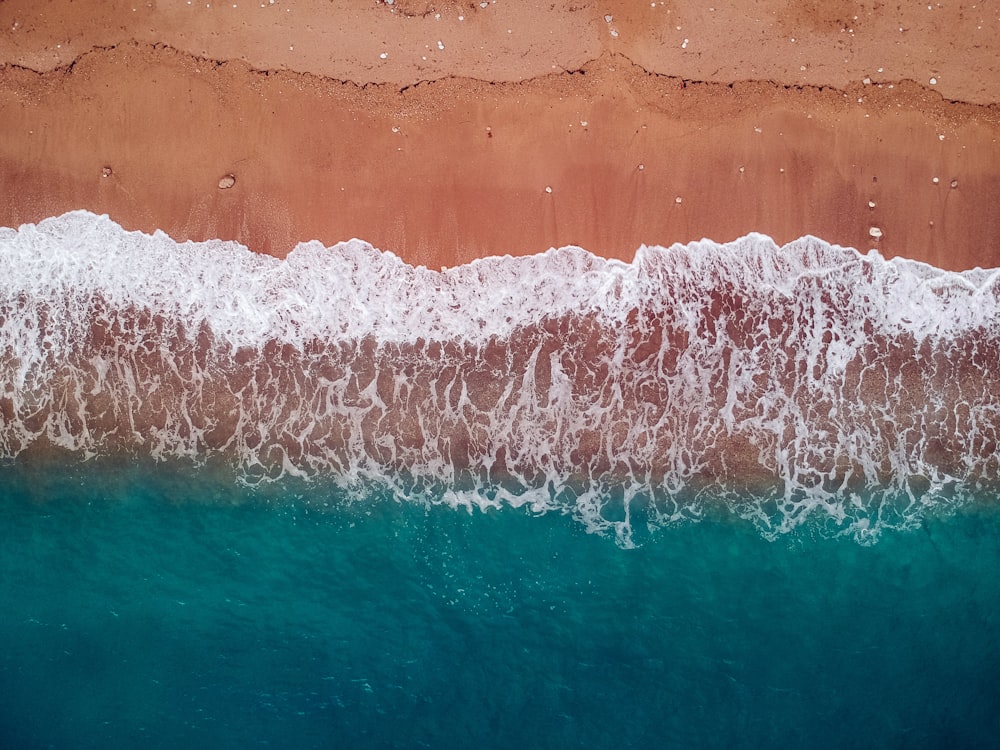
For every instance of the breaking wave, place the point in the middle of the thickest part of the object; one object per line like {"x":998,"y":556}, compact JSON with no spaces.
{"x":807,"y":383}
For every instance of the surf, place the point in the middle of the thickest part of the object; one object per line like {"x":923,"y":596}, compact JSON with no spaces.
{"x":832,"y":387}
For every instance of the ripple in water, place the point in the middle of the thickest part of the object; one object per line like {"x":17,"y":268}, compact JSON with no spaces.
{"x":804,"y":385}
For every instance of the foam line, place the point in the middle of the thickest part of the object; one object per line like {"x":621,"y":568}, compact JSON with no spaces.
{"x":836,"y":385}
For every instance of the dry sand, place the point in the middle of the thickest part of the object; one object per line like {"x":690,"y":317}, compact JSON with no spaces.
{"x":509,"y":128}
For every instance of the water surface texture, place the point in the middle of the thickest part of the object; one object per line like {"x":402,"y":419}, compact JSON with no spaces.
{"x":842,"y":389}
{"x":728,"y":495}
{"x":141,"y":609}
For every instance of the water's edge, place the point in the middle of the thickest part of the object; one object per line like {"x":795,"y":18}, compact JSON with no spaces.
{"x":836,"y":388}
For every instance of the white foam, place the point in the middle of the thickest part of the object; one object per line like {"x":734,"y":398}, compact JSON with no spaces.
{"x":553,"y":381}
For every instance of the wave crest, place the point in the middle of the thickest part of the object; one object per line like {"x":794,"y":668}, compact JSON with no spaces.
{"x":838,"y":387}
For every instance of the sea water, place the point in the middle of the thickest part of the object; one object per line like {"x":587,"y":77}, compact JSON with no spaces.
{"x":726,"y":495}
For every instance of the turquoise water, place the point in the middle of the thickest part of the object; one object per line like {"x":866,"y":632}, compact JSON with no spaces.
{"x":157,"y":606}
{"x":501,"y":410}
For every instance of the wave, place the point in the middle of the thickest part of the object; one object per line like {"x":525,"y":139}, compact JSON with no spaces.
{"x":803,"y":383}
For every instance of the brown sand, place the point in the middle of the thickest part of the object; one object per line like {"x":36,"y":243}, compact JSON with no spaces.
{"x":568,"y":129}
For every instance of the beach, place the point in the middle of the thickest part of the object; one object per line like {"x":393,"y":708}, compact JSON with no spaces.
{"x":366,"y":380}
{"x":447,"y":132}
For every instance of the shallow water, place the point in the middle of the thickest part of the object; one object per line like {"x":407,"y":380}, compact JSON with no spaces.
{"x":723,"y":496}
{"x":157,"y":605}
{"x":843,"y":388}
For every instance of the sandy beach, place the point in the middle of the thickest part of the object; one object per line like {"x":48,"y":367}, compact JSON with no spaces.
{"x":449,"y":131}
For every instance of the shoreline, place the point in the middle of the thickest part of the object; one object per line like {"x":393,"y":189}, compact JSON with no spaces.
{"x":813,"y":43}
{"x":814,"y":368}
{"x":605,"y":155}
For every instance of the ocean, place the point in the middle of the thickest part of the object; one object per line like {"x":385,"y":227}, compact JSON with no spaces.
{"x":728,"y":495}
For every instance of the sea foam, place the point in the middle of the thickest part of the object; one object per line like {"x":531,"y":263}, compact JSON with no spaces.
{"x":802,"y":383}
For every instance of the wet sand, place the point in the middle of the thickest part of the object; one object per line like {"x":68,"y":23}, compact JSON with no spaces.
{"x":521,"y":130}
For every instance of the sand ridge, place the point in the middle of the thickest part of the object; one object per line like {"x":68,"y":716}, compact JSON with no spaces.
{"x":807,"y":42}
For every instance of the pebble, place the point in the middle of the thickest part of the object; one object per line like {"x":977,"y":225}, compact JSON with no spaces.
{"x":227,"y":181}
{"x":875,"y":232}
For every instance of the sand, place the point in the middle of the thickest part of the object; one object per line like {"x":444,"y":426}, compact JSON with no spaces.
{"x":510,"y":128}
